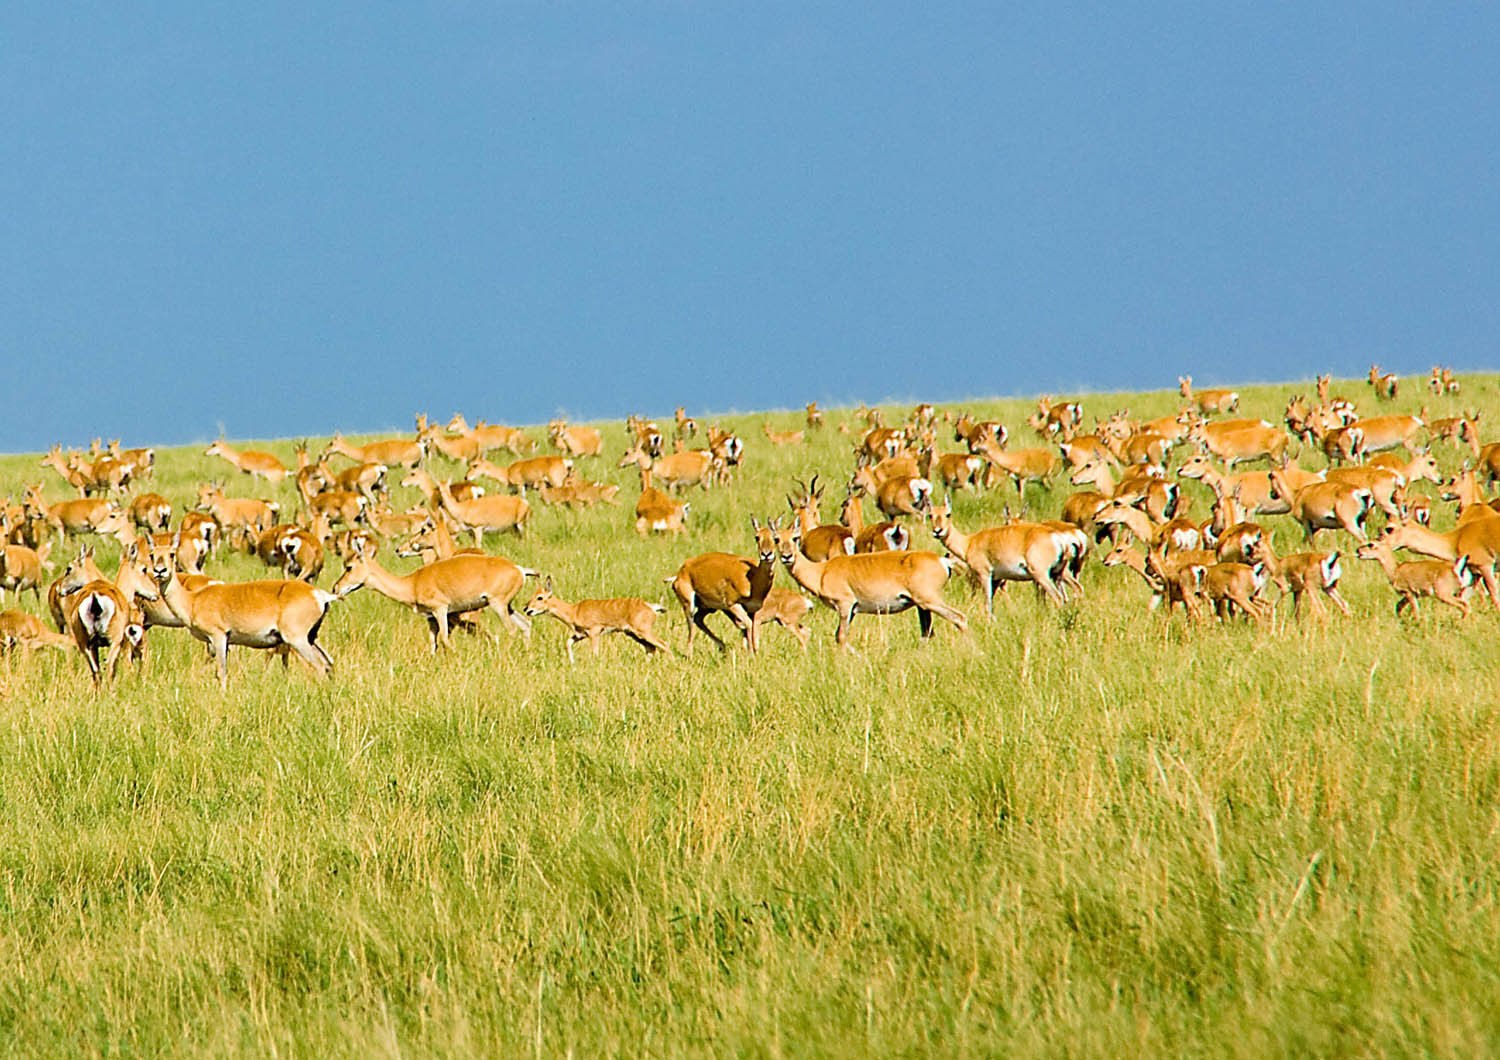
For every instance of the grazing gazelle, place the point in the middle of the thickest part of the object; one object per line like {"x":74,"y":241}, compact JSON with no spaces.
{"x":590,"y":619}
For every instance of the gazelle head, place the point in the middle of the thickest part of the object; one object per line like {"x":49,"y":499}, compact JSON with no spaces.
{"x":765,"y":538}
{"x":542,"y":601}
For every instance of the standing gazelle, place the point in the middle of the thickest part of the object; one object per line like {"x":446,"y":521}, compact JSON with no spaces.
{"x":443,"y":589}
{"x":875,"y":583}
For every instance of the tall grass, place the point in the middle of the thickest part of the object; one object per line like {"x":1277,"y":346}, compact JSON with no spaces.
{"x":1074,"y":831}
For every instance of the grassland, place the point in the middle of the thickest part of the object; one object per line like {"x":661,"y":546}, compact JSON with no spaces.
{"x":1076,"y":831}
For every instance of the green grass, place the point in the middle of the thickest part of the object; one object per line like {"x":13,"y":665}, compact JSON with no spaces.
{"x":1077,"y":831}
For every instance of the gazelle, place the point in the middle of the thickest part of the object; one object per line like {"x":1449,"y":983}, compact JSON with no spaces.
{"x":819,"y":540}
{"x":1208,"y":401}
{"x":392,"y":452}
{"x":655,"y":511}
{"x":875,"y":583}
{"x":786,"y":608}
{"x":19,"y":629}
{"x":443,"y":589}
{"x":462,"y":489}
{"x":687,"y":427}
{"x":485,"y":513}
{"x":781,"y":438}
{"x":1379,"y":433}
{"x":1477,"y":539}
{"x":491,"y":436}
{"x":1326,"y":505}
{"x":1033,"y":552}
{"x":580,"y":493}
{"x":461,"y":447}
{"x":433,"y":541}
{"x":1022,"y":465}
{"x":533,"y":472}
{"x":21,"y":569}
{"x":270,"y":614}
{"x":1232,"y":587}
{"x":959,"y":471}
{"x":92,"y":515}
{"x":151,"y":512}
{"x":735,"y":585}
{"x":1256,"y":494}
{"x":250,"y":461}
{"x":1170,"y":578}
{"x":1447,"y":581}
{"x":240,"y":518}
{"x":101,"y":621}
{"x":70,"y":471}
{"x":1384,"y":383}
{"x":1302,"y":573}
{"x":575,"y":441}
{"x":872,"y":537}
{"x":814,"y":416}
{"x":1242,"y":444}
{"x":691,"y":467}
{"x":590,"y":619}
{"x":896,"y":495}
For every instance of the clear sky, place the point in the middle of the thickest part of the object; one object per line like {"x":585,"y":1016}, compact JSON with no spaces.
{"x":290,"y":218}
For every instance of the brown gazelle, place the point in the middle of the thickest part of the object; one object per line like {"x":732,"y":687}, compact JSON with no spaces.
{"x":1447,"y":581}
{"x":1326,"y":505}
{"x":1380,"y":433}
{"x":722,"y":581}
{"x":462,"y":489}
{"x":590,"y":619}
{"x":780,"y":438}
{"x":101,"y":620}
{"x":151,"y":512}
{"x":533,"y":472}
{"x":250,"y":461}
{"x":490,"y":436}
{"x":21,"y":568}
{"x":1310,"y":574}
{"x":575,"y":441}
{"x":443,"y":589}
{"x":240,"y":518}
{"x":872,"y":583}
{"x":786,"y":608}
{"x":19,"y":629}
{"x":820,"y":540}
{"x":100,"y":616}
{"x":1207,"y":401}
{"x":691,"y":467}
{"x":1031,"y":552}
{"x":1477,"y":539}
{"x":272,"y":614}
{"x":392,"y":452}
{"x":485,"y":513}
{"x":1384,"y":383}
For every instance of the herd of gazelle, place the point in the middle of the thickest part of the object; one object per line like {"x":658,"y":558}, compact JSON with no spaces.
{"x":1127,"y":501}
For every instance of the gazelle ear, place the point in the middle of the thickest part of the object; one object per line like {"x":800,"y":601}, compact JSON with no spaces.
{"x":547,"y":585}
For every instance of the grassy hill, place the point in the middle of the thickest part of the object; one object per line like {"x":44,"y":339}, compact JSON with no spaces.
{"x":1073,"y":831}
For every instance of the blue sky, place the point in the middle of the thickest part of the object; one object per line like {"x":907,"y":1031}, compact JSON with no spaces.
{"x":288,"y":219}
